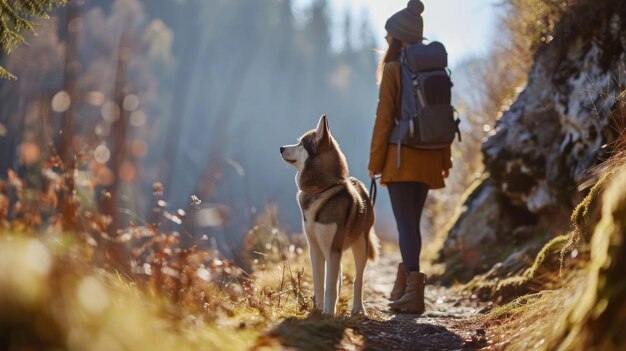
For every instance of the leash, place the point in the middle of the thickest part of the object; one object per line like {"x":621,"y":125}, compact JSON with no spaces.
{"x":373,"y":193}
{"x":373,"y":190}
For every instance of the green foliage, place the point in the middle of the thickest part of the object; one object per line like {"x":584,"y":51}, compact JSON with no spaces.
{"x":584,"y":210}
{"x":516,"y":306}
{"x":18,"y":16}
{"x":548,"y":262}
{"x":586,"y":216}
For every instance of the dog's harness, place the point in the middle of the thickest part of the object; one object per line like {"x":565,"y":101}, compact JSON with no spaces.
{"x":373,"y":192}
{"x":315,"y":191}
{"x":373,"y":189}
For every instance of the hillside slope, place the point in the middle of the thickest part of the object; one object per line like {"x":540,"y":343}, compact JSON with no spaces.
{"x":563,"y":123}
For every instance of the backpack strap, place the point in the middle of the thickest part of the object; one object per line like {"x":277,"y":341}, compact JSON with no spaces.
{"x":403,"y":65}
{"x":458,"y":122}
{"x":419,"y":91}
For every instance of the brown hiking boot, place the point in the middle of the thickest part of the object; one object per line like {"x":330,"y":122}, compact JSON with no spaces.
{"x":400,"y":285}
{"x":413,"y":299}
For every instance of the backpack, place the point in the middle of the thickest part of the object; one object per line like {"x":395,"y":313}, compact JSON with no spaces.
{"x":427,"y":118}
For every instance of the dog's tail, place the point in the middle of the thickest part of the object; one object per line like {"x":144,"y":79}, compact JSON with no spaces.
{"x":373,"y":245}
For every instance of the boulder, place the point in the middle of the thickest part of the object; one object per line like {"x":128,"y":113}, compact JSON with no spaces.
{"x":542,"y":148}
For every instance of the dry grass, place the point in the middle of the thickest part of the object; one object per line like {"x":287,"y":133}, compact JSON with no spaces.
{"x":584,"y":313}
{"x":72,"y":290}
{"x":529,"y":322}
{"x":52,"y":299}
{"x":585,"y":309}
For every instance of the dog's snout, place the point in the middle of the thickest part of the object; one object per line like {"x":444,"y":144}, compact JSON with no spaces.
{"x":282,"y":149}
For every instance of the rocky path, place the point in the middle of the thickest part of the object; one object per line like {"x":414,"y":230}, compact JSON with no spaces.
{"x":448,"y":323}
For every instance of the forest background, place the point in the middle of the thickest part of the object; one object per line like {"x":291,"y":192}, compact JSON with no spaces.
{"x":203,"y":94}
{"x":139,"y":154}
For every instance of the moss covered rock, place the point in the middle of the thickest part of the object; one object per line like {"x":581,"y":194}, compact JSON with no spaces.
{"x":547,"y":141}
{"x":597,"y":320}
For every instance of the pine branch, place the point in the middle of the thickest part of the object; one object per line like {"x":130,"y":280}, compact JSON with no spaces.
{"x":4,"y":74}
{"x":18,"y":16}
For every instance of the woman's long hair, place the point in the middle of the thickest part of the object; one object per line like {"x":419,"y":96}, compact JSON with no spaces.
{"x":392,"y":54}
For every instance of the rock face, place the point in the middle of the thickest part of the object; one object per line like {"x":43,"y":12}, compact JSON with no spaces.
{"x":541,"y":150}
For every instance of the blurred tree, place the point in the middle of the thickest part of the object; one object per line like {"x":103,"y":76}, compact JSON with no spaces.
{"x":78,"y":78}
{"x":315,"y":41}
{"x":348,"y":45}
{"x":368,"y":41}
{"x":73,"y":25}
{"x":17,"y":16}
{"x":237,"y":73}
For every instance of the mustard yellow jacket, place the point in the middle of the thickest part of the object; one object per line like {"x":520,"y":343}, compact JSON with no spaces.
{"x":417,"y":165}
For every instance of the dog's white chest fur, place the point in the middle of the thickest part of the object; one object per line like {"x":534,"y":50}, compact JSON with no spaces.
{"x":322,"y":233}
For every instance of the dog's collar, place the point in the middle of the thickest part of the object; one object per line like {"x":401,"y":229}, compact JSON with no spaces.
{"x":316,"y":190}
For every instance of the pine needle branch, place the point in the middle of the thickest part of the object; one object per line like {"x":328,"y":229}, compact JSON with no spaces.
{"x":17,"y":17}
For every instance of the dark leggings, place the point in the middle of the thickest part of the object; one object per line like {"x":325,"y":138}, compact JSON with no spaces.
{"x":407,"y":201}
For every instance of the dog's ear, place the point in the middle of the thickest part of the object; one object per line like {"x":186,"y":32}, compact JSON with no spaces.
{"x":322,"y":134}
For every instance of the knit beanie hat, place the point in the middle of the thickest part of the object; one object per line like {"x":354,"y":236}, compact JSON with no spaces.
{"x":407,"y":24}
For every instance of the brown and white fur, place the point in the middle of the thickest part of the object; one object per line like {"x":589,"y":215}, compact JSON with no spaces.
{"x":337,"y":214}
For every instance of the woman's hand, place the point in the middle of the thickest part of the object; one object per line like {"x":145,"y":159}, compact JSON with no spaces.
{"x":373,"y":176}
{"x":445,"y":173}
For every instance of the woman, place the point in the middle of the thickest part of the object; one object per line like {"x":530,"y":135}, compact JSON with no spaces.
{"x":419,"y":171}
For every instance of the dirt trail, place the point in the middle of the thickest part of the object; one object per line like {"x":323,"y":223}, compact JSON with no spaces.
{"x":446,"y":325}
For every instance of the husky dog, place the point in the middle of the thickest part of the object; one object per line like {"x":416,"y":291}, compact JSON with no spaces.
{"x":337,"y":214}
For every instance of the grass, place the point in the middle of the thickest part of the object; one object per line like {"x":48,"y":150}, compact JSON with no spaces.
{"x":584,"y":308}
{"x":53,"y":300}
{"x":66,"y":290}
{"x":529,"y":322}
{"x":52,"y":297}
{"x":596,"y":319}
{"x":586,"y":215}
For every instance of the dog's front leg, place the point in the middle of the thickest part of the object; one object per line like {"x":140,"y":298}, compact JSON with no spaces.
{"x":317,"y":264}
{"x":359,"y":250}
{"x":333,"y":265}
